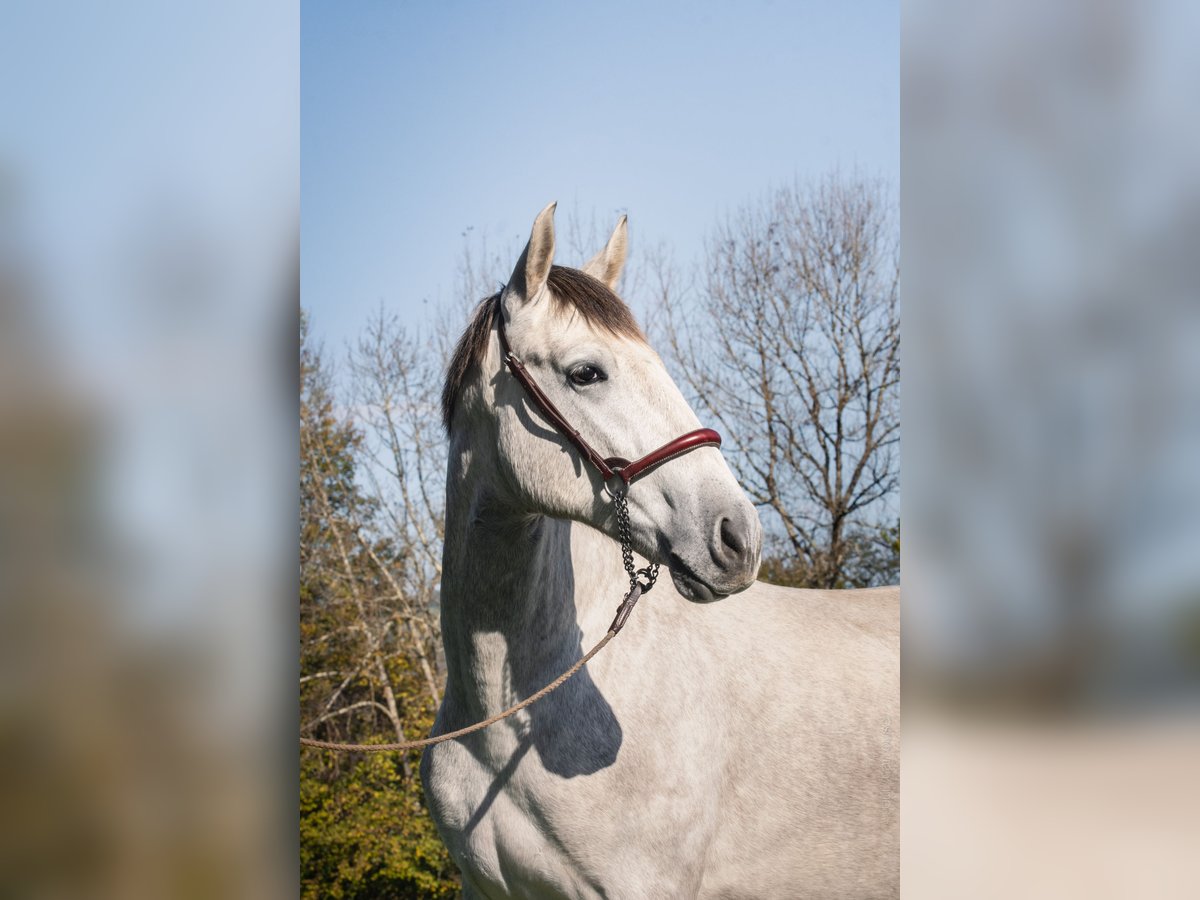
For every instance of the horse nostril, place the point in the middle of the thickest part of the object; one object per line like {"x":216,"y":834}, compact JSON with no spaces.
{"x":734,"y":544}
{"x":733,"y":540}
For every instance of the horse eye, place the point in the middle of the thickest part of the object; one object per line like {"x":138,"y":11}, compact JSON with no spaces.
{"x":586,"y":375}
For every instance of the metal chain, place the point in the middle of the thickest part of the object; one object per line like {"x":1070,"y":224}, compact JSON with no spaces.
{"x":650,"y":573}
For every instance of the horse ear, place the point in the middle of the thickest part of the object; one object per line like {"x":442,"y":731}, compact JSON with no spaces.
{"x":533,"y":268}
{"x":606,"y":265}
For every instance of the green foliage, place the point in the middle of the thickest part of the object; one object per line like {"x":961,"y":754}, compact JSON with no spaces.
{"x":365,"y":833}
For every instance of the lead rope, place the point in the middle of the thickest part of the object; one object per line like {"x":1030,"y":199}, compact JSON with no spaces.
{"x":636,"y":589}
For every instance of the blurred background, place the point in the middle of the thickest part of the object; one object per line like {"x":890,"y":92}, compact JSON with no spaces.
{"x":149,"y":319}
{"x":149,"y":230}
{"x":1051,"y":567}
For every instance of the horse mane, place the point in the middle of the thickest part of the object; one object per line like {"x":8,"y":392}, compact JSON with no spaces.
{"x":571,"y":291}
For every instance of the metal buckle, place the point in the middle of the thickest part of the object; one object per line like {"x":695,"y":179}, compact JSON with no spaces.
{"x":621,"y":488}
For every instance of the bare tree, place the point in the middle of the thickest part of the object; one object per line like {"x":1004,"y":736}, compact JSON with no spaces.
{"x":790,"y":340}
{"x":369,"y":517}
{"x":395,"y":387}
{"x":367,"y":640}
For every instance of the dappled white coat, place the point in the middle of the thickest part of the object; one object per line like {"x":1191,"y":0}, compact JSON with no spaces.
{"x":746,"y":747}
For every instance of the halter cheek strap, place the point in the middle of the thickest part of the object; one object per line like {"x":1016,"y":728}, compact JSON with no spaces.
{"x":611,"y":466}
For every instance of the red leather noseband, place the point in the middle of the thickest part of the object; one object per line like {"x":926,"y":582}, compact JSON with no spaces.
{"x":701,"y":437}
{"x":606,"y":466}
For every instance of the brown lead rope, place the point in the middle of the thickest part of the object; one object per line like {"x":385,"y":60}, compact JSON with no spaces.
{"x":618,"y":622}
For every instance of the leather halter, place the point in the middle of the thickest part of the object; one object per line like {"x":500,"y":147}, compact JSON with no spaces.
{"x":606,"y":466}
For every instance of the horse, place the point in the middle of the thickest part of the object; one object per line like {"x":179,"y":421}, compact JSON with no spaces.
{"x":739,"y":739}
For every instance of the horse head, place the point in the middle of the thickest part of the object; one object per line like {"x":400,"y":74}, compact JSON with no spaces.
{"x":606,"y":395}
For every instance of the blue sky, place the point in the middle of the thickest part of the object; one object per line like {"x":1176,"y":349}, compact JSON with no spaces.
{"x":422,"y":120}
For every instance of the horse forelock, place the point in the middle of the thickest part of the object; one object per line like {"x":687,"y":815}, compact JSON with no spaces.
{"x":571,"y":291}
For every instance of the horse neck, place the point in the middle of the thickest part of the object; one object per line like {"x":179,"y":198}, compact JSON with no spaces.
{"x":518,"y":592}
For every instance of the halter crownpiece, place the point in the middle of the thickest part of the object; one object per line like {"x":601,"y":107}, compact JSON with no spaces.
{"x":608,"y":467}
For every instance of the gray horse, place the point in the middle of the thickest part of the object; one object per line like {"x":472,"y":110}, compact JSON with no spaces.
{"x":741,"y":748}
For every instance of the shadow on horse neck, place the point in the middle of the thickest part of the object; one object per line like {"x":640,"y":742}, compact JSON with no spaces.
{"x":513,"y":617}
